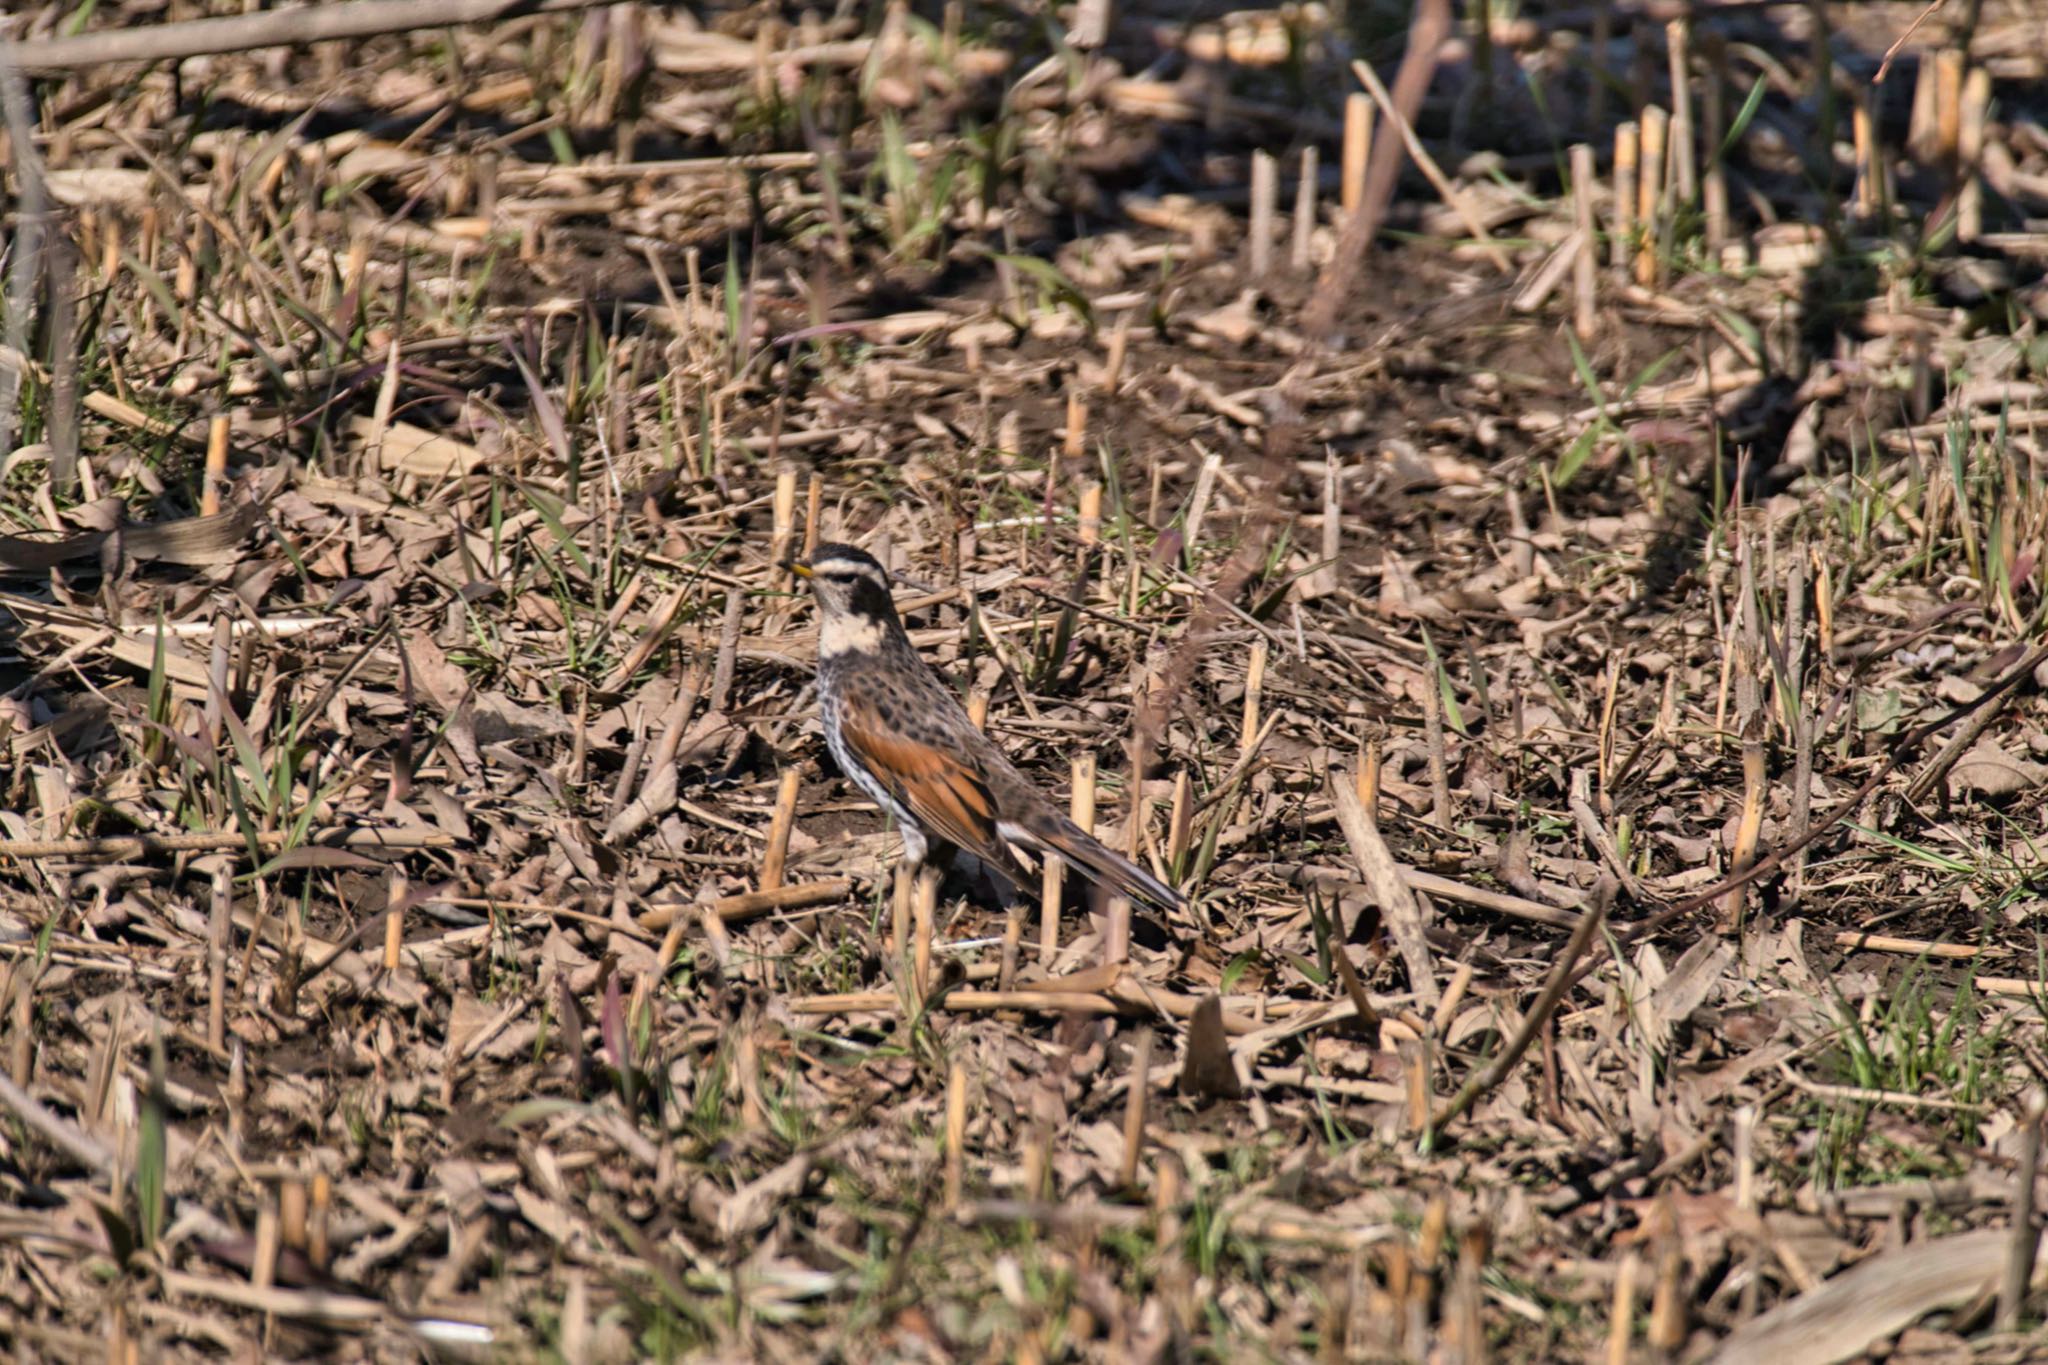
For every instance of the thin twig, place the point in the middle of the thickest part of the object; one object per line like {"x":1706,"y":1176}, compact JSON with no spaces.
{"x":269,"y":28}
{"x":31,"y":217}
{"x":1561,"y":977}
{"x":1396,"y":900}
{"x":270,"y":841}
{"x":80,"y":1145}
{"x":1898,"y":44}
{"x":1430,"y":170}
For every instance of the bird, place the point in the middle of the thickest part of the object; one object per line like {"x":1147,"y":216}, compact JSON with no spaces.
{"x":900,"y":734}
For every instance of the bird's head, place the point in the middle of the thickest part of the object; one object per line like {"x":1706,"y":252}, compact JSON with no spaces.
{"x":855,"y":611}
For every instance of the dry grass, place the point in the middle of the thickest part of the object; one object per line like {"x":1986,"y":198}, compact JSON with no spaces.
{"x":1580,"y":673}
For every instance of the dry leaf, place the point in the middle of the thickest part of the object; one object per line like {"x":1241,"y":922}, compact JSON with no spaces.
{"x":1870,"y":1302}
{"x":1989,"y":770}
{"x":407,"y":449}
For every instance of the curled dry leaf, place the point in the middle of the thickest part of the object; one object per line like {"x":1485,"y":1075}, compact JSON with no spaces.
{"x":1989,"y":770}
{"x":98,"y":187}
{"x":407,"y":449}
{"x":1864,"y":1305}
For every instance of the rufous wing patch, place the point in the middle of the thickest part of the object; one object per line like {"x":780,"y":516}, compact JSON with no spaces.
{"x":947,"y":796}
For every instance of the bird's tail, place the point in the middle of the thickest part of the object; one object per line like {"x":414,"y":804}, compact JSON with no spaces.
{"x":1107,"y":868}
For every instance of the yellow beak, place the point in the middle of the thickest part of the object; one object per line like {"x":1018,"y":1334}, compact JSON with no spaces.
{"x":797,"y":567}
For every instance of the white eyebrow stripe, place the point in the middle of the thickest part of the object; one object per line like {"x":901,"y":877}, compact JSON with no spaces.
{"x":850,"y":568}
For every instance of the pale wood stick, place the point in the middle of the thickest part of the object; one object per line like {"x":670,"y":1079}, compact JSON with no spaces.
{"x":1714,"y":175}
{"x":61,"y":269}
{"x":1328,"y":579}
{"x":1254,"y":690}
{"x":1426,"y":163}
{"x":394,"y":921}
{"x":1089,"y":523}
{"x":1515,"y":907}
{"x":1082,"y":809}
{"x":1397,"y":902}
{"x":764,"y":69}
{"x":671,"y":944}
{"x":780,"y":823}
{"x":747,"y":1063}
{"x":715,"y":937}
{"x":1863,"y":128}
{"x":1300,"y":255}
{"x":1603,"y":755}
{"x":1429,"y":1245}
{"x":926,"y":907}
{"x":1166,"y":1238}
{"x":977,"y":709}
{"x":1627,"y":146}
{"x":1358,"y":118}
{"x":1134,"y":1109}
{"x":1915,"y":947}
{"x":1823,"y":603}
{"x":216,"y":465}
{"x":1923,"y":136}
{"x":956,"y":1131}
{"x":1744,"y":1159}
{"x":782,"y":532}
{"x":1037,"y":1162}
{"x":1976,"y":108}
{"x":814,"y":501}
{"x":903,"y":894}
{"x":1439,"y":757}
{"x":1049,"y":909}
{"x":263,"y":1257}
{"x":967,"y":1002}
{"x":318,"y":1229}
{"x":748,"y":904}
{"x":1454,"y":995}
{"x":1013,"y":938}
{"x":1685,"y":172}
{"x":1550,"y":275}
{"x":1076,"y":445}
{"x":1948,"y":103}
{"x":1180,"y":821}
{"x":218,"y":925}
{"x":1415,"y":1071}
{"x":291,"y":1212}
{"x":2010,"y":985}
{"x":1650,"y":195}
{"x":1113,"y":357}
{"x":1264,"y":212}
{"x":1091,"y":24}
{"x":1621,"y":1315}
{"x":21,"y":1052}
{"x":1198,"y":500}
{"x":1749,"y":825}
{"x":1667,"y":1301}
{"x":1585,"y":301}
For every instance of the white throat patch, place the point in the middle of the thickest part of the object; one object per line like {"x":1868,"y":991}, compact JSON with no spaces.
{"x":849,"y":634}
